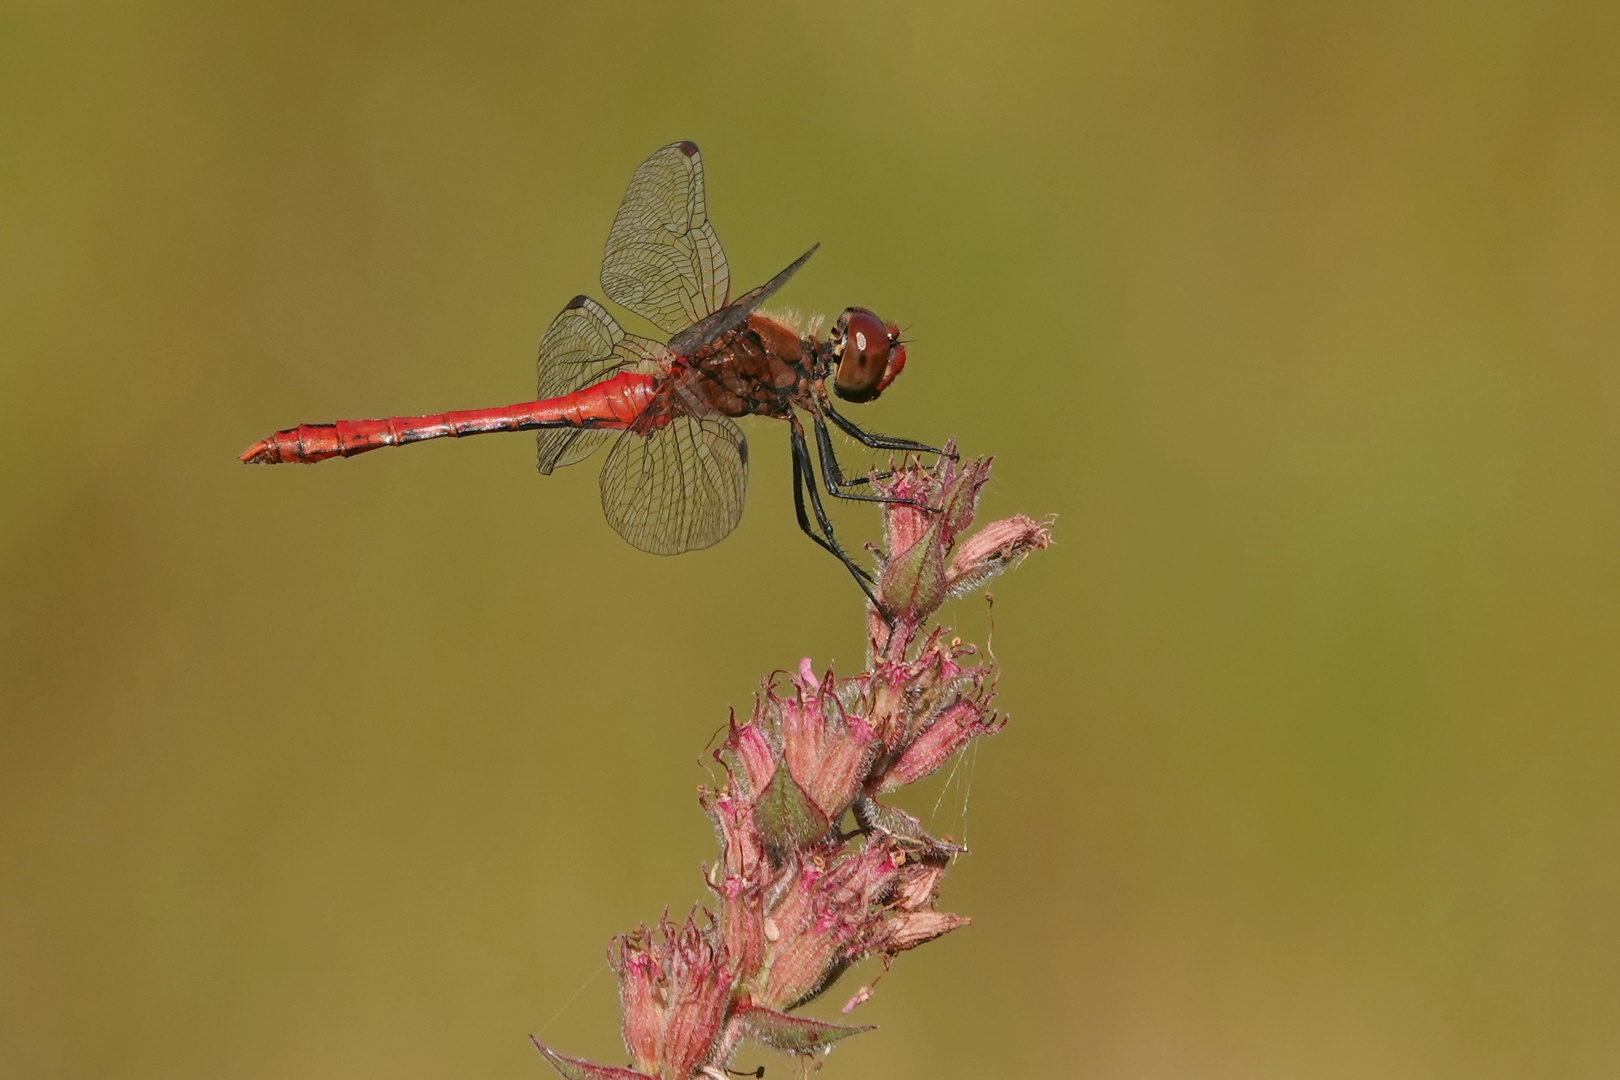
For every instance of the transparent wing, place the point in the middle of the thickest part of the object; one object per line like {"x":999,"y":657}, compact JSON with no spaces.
{"x":583,"y":346}
{"x":679,"y":487}
{"x":663,"y":260}
{"x":722,"y":322}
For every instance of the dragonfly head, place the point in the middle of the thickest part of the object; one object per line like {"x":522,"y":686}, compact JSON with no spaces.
{"x":868,"y":355}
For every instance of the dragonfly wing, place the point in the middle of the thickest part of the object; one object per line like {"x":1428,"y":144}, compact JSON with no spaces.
{"x":583,"y":346}
{"x":722,"y":322}
{"x":679,"y":487}
{"x":663,"y":260}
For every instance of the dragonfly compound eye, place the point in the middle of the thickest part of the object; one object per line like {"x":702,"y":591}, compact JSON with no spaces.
{"x":866,"y":360}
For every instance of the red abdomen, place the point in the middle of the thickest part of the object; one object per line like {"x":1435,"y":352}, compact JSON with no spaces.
{"x":613,"y":403}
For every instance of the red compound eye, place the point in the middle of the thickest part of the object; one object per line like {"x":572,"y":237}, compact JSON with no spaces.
{"x":864,"y":365}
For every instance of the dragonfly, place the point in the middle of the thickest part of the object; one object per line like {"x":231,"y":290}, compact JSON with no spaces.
{"x":677,"y":474}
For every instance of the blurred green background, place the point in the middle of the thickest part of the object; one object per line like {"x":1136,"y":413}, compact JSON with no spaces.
{"x":1303,"y":318}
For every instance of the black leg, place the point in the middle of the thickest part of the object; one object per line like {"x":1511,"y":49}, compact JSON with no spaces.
{"x":807,"y":476}
{"x":857,"y":481}
{"x":833,"y":475}
{"x":804,"y":483}
{"x":798,"y":507}
{"x":877,"y":442}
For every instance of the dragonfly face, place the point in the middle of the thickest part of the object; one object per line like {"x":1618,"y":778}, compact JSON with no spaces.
{"x":868,"y":355}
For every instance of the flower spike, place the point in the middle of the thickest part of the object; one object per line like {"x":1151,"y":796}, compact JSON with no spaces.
{"x":797,"y":898}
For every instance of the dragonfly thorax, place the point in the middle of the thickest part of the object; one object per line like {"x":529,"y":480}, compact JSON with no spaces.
{"x":762,"y":369}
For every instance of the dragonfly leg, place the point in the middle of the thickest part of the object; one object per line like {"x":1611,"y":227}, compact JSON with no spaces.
{"x":878,"y":442}
{"x":804,"y":518}
{"x":857,"y":481}
{"x":804,"y":484}
{"x":833,"y":475}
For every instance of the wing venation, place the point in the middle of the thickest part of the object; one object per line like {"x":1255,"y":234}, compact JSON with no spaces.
{"x":583,"y":346}
{"x":678,"y":488}
{"x":663,"y":260}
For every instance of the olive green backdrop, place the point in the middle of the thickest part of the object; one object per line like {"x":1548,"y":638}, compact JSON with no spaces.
{"x":1303,"y":318}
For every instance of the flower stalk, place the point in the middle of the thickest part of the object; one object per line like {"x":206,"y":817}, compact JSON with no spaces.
{"x":814,"y":872}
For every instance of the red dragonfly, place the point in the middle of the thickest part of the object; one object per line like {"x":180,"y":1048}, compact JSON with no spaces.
{"x":678,"y":471}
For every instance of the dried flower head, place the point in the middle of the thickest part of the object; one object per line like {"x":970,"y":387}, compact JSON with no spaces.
{"x":798,"y":898}
{"x":673,"y":988}
{"x":918,"y":570}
